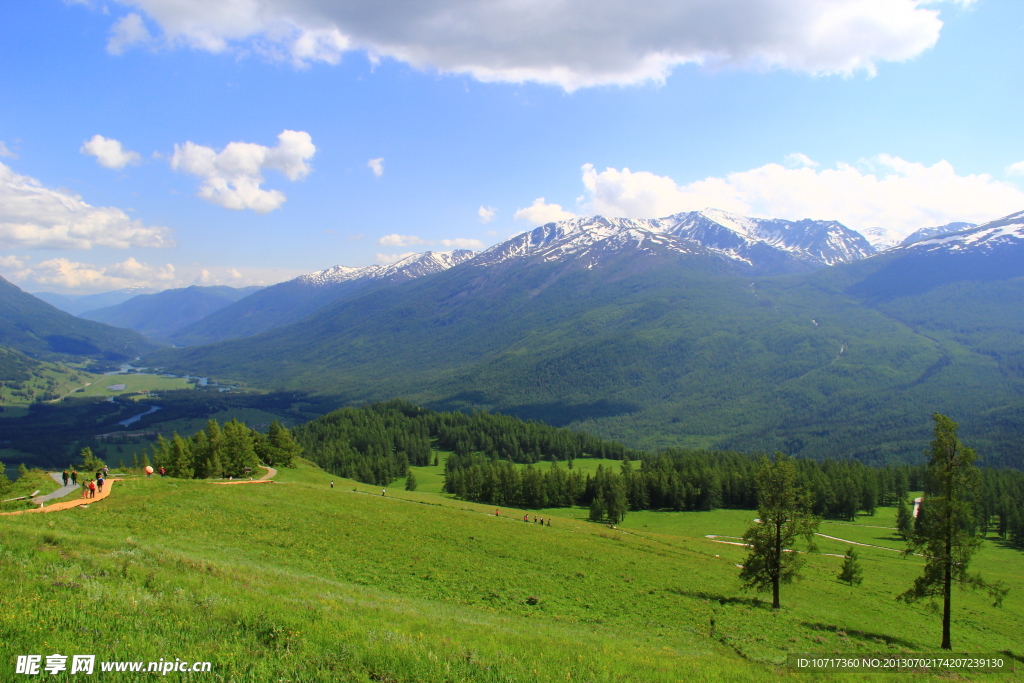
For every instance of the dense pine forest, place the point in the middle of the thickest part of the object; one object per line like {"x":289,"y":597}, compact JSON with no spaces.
{"x":494,"y":460}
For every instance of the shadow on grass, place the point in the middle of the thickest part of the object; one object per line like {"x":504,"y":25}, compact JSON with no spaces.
{"x":722,"y":599}
{"x":864,"y":636}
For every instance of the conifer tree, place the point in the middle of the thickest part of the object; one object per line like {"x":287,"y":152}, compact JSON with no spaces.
{"x":410,"y":481}
{"x":784,"y":511}
{"x":283,"y":446}
{"x":944,"y":525}
{"x":180,"y":459}
{"x":851,"y":573}
{"x":5,"y":483}
{"x":904,"y":520}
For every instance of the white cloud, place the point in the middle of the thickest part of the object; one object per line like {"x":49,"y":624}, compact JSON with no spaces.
{"x":109,"y":152}
{"x":377,"y":166}
{"x":37,"y":217}
{"x":1016,"y":169}
{"x":798,"y":160}
{"x":5,"y":152}
{"x":65,"y":275}
{"x":232,"y":177}
{"x":400,"y":241}
{"x":571,"y":43}
{"x":541,"y":212}
{"x":486,"y":213}
{"x":127,"y":31}
{"x":463,"y":243}
{"x":391,"y":258}
{"x":62,"y":273}
{"x":884,"y":191}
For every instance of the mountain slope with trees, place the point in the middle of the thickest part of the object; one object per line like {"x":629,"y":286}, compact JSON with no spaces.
{"x":36,"y":328}
{"x":160,"y":315}
{"x":656,"y":348}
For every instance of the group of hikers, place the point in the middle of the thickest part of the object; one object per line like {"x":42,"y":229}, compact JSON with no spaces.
{"x":526,"y":518}
{"x":89,"y":486}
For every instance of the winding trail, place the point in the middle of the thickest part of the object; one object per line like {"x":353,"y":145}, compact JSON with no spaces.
{"x":68,"y":504}
{"x":265,"y":479}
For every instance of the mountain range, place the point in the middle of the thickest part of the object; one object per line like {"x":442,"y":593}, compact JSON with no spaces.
{"x":159,"y":315}
{"x":701,"y":329}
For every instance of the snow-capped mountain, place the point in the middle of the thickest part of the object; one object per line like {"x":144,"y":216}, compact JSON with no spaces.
{"x":883,"y":238}
{"x":408,"y":268}
{"x":926,"y":233}
{"x":764,"y":245}
{"x":1002,"y":232}
{"x":289,"y":301}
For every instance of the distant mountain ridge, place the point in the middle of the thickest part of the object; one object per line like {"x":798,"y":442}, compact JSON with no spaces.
{"x":763,"y":246}
{"x":34,"y":327}
{"x":290,"y":301}
{"x":79,"y":303}
{"x":161,"y":314}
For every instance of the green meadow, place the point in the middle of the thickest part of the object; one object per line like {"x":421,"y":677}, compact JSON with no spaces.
{"x":298,"y":581}
{"x":133,"y":383}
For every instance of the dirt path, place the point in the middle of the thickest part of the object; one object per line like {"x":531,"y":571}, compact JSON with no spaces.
{"x":68,"y":504}
{"x":265,"y":479}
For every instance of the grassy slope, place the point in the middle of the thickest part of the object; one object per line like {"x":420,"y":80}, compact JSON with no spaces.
{"x":312,"y":583}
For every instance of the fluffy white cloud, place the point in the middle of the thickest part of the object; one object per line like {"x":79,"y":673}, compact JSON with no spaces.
{"x":232,"y":177}
{"x":541,"y":212}
{"x":1016,"y":169}
{"x":377,"y":166}
{"x":571,"y":43}
{"x":65,"y":275}
{"x":109,"y":152}
{"x":5,"y":152}
{"x":884,"y":191}
{"x":391,"y":258}
{"x":486,"y":213}
{"x":37,"y":217}
{"x":463,"y":243}
{"x":400,"y":241}
{"x":127,"y":31}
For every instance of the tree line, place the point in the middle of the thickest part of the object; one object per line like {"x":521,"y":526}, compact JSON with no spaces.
{"x":675,"y":479}
{"x":228,"y":450}
{"x":377,"y":443}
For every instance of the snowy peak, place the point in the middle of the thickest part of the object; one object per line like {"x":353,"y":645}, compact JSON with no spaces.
{"x":927,"y":233}
{"x":1001,"y":232}
{"x":764,"y":244}
{"x":883,"y":238}
{"x":408,"y":268}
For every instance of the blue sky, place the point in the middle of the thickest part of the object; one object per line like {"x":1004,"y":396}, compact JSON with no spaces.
{"x":878,"y":113}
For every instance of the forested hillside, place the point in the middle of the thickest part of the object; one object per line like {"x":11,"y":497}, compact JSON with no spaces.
{"x":658,"y":352}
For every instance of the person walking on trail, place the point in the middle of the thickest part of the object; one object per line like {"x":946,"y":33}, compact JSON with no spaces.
{"x":92,"y":489}
{"x":496,"y":513}
{"x":99,"y":484}
{"x":74,"y":477}
{"x":526,"y":518}
{"x":332,"y":484}
{"x":64,"y":475}
{"x":85,"y":490}
{"x":383,"y":491}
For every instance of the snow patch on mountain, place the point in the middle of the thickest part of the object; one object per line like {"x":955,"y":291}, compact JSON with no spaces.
{"x":883,"y":238}
{"x":1002,"y":231}
{"x":412,"y":266}
{"x":927,"y":233}
{"x":741,"y":239}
